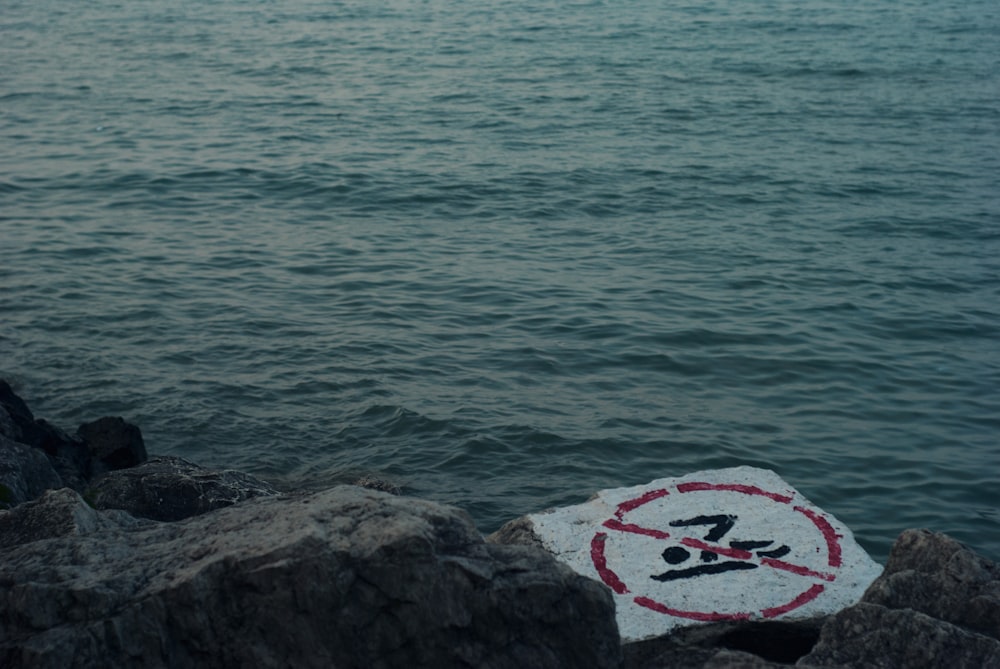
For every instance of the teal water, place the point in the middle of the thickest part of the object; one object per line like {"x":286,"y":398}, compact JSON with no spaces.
{"x":507,"y":254}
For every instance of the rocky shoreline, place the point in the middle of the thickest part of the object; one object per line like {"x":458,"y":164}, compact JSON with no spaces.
{"x":112,"y":558}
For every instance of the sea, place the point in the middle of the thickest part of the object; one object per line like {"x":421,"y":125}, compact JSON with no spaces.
{"x":504,"y":255}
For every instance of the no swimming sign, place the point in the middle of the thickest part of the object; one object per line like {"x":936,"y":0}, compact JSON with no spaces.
{"x":723,"y":545}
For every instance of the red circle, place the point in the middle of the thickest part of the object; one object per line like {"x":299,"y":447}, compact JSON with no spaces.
{"x":613,"y":581}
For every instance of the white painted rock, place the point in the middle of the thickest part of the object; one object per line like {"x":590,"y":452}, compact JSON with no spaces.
{"x":723,"y":545}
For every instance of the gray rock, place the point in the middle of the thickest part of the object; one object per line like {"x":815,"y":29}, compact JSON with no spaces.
{"x":344,"y":578}
{"x":937,"y":604}
{"x":57,"y":513}
{"x":113,"y":443}
{"x":69,"y":456}
{"x":934,"y":574}
{"x":375,"y":483}
{"x":171,"y":488}
{"x":518,"y":532}
{"x":25,"y":473}
{"x":867,"y":635}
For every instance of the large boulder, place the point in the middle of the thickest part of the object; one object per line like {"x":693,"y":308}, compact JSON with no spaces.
{"x":932,"y":573}
{"x":347,"y":577}
{"x":171,"y":488}
{"x":936,"y":605}
{"x":727,"y":545}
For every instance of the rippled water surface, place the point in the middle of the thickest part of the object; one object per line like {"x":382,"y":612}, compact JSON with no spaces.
{"x":507,"y":254}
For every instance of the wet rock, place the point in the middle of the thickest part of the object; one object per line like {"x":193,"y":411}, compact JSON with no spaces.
{"x":25,"y":473}
{"x":171,"y":488}
{"x":347,"y":577}
{"x":113,"y":443}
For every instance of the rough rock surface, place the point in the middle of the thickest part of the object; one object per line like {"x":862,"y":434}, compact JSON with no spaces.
{"x":375,"y":483}
{"x":171,"y":488}
{"x":936,"y":605}
{"x":932,"y":573}
{"x":58,"y":513}
{"x":518,"y":532}
{"x":347,"y":577}
{"x":866,"y":635}
{"x":25,"y":473}
{"x":113,"y":443}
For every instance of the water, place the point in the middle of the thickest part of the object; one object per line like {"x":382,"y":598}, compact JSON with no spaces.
{"x":509,"y":254}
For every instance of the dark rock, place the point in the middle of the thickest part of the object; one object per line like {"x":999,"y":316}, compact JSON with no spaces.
{"x":25,"y":473}
{"x":171,"y":488}
{"x":709,"y":658}
{"x":937,"y":604}
{"x":69,"y":456}
{"x":29,"y":430}
{"x":934,"y":574}
{"x":373,"y":483}
{"x":113,"y":443}
{"x":772,"y":643}
{"x":15,"y":417}
{"x":8,"y":428}
{"x":867,"y":635}
{"x":735,"y":659}
{"x":347,"y":577}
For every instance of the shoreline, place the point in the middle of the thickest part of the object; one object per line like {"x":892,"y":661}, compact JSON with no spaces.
{"x":93,"y":520}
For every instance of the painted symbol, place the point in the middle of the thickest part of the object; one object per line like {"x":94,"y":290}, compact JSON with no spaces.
{"x":688,"y":554}
{"x":721,"y":524}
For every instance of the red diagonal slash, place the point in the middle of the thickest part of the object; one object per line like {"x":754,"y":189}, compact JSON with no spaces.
{"x":733,"y":553}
